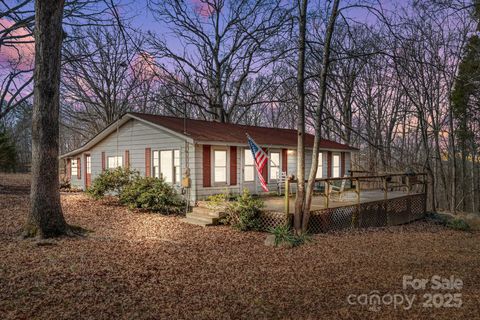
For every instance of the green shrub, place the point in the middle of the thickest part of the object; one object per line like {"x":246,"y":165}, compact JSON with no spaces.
{"x":152,"y":194}
{"x":458,"y":224}
{"x":244,"y":213}
{"x":112,"y":181}
{"x":284,"y":236}
{"x":217,"y":201}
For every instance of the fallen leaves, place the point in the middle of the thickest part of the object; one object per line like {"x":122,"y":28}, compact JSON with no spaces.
{"x":146,"y":266}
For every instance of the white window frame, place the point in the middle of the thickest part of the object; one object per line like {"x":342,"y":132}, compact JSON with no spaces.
{"x":320,"y":166}
{"x":73,"y":166}
{"x":176,"y":166}
{"x":117,"y":162}
{"x":213,"y":166}
{"x":339,"y":167}
{"x":278,"y":165}
{"x":247,"y":154}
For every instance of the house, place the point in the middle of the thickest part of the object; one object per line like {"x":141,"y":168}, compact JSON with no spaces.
{"x":214,"y":155}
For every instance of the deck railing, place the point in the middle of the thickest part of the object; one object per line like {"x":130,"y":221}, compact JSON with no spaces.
{"x":377,"y":213}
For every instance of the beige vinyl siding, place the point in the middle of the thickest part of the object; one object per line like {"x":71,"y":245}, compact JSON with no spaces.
{"x":134,"y":136}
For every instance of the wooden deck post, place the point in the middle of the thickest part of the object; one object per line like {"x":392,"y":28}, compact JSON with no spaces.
{"x":385,"y":188}
{"x":407,"y":178}
{"x":356,"y":214}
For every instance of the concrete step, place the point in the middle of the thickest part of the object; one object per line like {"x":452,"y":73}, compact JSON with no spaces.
{"x":202,"y":217}
{"x":205,"y":211}
{"x":197,"y":222}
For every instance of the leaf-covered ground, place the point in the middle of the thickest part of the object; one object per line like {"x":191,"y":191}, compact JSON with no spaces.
{"x":148,"y":266}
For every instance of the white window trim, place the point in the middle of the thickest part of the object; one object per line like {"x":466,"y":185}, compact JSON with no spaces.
{"x":250,"y":165}
{"x":274,"y":179}
{"x":212,"y":166}
{"x":174,"y":177}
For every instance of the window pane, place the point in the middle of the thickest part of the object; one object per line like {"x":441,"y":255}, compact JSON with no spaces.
{"x":274,"y":165}
{"x":336,"y":172}
{"x":248,"y":157}
{"x":249,"y":173}
{"x":275,"y":159}
{"x":336,"y":160}
{"x":320,"y":166}
{"x":176,"y":155}
{"x":220,"y":174}
{"x":166,"y":165}
{"x":336,"y":166}
{"x":156,"y":172}
{"x":220,"y":158}
{"x":89,"y":165}
{"x":274,"y":172}
{"x":73,"y":169}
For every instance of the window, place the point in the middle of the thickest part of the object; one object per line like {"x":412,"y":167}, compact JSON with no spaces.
{"x":166,"y":164}
{"x":114,"y":162}
{"x":74,"y":168}
{"x":336,"y":166}
{"x":274,"y":165}
{"x":249,"y":167}
{"x":156,"y":171}
{"x":320,"y":166}
{"x":89,"y":164}
{"x":176,"y":166}
{"x":220,"y":166}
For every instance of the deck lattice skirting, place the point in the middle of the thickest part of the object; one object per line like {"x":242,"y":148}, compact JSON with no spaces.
{"x":380,"y":213}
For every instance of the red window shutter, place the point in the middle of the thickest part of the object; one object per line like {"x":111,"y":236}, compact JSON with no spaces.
{"x":233,"y":166}
{"x":329,"y":164}
{"x":127,"y":159}
{"x":148,"y":162}
{"x":342,"y":164}
{"x":284,"y":160}
{"x":79,"y":168}
{"x":207,"y":174}
{"x":103,"y":161}
{"x":69,"y":168}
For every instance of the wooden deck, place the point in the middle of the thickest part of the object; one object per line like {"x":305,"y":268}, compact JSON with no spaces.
{"x":348,"y":198}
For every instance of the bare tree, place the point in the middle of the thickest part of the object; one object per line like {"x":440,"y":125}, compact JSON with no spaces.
{"x":102,"y":78}
{"x":300,"y":197}
{"x":225,"y":44}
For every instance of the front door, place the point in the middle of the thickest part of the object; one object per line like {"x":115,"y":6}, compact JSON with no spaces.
{"x":88,"y":170}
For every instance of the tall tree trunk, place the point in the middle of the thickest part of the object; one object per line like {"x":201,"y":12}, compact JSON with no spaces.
{"x":300,"y":198}
{"x":45,"y":217}
{"x":318,"y":120}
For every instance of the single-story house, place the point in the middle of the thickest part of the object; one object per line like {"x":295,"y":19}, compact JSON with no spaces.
{"x":215,"y":156}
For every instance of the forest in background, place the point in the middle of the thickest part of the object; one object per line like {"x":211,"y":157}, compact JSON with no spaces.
{"x":401,"y":84}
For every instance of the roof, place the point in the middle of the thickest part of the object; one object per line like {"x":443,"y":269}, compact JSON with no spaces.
{"x":202,"y":131}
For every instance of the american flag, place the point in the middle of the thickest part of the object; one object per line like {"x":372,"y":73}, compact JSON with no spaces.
{"x":260,"y":159}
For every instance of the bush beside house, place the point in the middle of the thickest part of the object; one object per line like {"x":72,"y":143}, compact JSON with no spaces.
{"x":137,"y":192}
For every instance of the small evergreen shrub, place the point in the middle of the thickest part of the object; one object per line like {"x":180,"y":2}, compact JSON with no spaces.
{"x":217,"y":201}
{"x":152,"y":194}
{"x":285,"y":237}
{"x":458,"y":224}
{"x":112,"y":181}
{"x":244,"y":213}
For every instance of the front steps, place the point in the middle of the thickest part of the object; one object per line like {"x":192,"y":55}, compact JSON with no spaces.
{"x":202,"y":216}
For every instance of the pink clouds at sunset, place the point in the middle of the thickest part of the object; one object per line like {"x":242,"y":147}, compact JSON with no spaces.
{"x":203,"y":7}
{"x":18,"y":52}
